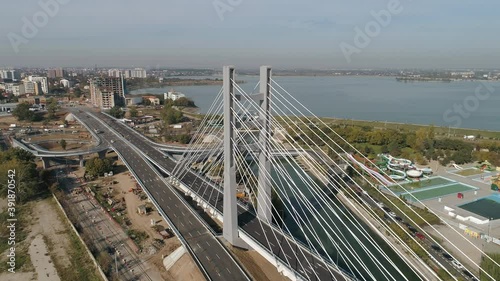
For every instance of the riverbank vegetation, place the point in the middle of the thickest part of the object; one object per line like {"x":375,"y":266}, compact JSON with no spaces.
{"x":420,"y":144}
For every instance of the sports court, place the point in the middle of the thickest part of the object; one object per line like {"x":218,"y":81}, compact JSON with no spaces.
{"x":433,"y":188}
{"x":419,"y":184}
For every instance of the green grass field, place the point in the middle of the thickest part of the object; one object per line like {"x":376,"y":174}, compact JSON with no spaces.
{"x":468,"y":172}
{"x":420,"y":184}
{"x":438,"y":191}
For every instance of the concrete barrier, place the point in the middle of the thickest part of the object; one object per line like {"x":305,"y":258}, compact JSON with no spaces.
{"x":171,"y":259}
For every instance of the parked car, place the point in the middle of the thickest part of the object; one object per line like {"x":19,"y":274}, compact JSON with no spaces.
{"x":420,"y":236}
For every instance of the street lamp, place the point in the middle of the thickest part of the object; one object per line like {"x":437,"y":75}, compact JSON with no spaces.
{"x":489,"y":226}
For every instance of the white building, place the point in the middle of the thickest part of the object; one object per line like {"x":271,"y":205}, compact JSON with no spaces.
{"x":173,"y":95}
{"x":133,"y":100}
{"x":28,"y":88}
{"x":43,"y":82}
{"x":138,"y":73}
{"x":15,"y":90}
{"x":9,"y":74}
{"x":65,"y":83}
{"x":114,"y":73}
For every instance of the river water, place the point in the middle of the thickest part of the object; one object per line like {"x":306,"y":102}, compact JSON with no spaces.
{"x":378,"y":99}
{"x":328,"y":224}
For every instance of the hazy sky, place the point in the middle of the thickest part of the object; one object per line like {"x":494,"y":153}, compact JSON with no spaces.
{"x":282,"y":33}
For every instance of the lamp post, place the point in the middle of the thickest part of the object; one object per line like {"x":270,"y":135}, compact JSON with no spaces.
{"x":489,"y":227}
{"x":116,"y":263}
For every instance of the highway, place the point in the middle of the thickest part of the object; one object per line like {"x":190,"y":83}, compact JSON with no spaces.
{"x":305,"y":264}
{"x":212,"y":255}
{"x":288,"y":251}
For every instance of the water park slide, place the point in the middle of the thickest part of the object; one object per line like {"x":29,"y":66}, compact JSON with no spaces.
{"x":457,"y":167}
{"x":402,"y":175}
{"x":370,"y":171}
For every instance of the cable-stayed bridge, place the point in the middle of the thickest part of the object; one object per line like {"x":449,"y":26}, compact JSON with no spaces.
{"x":287,"y":202}
{"x":245,"y":168}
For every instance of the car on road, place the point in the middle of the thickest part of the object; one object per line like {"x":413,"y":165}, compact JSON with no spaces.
{"x":398,"y":218}
{"x":412,"y":229}
{"x":447,"y":256}
{"x":436,"y":248}
{"x":457,"y":264}
{"x":467,"y":273}
{"x":419,"y":235}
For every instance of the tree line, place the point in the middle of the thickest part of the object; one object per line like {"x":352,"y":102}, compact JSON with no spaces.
{"x":29,"y":181}
{"x":420,"y":146}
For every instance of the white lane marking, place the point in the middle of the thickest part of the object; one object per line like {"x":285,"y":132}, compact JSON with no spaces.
{"x":217,"y":256}
{"x":228,"y":270}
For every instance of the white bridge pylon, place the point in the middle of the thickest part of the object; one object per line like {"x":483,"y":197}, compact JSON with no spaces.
{"x":264,"y":213}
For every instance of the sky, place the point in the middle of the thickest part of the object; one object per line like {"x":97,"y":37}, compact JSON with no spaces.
{"x":287,"y":34}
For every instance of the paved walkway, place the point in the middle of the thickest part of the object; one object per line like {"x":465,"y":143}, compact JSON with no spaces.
{"x":41,"y":260}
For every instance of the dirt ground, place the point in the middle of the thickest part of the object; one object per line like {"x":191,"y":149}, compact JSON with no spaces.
{"x":46,"y":227}
{"x":185,"y":266}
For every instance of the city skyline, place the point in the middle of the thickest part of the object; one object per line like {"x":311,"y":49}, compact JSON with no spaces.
{"x":290,"y":34}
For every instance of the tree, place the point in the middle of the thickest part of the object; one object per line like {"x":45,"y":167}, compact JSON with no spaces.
{"x":96,"y":167}
{"x":22,"y":112}
{"x":20,"y":164}
{"x":185,"y":102}
{"x":133,"y":111}
{"x":52,"y":107}
{"x":63,"y":144}
{"x":116,"y":112}
{"x":171,"y":115}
